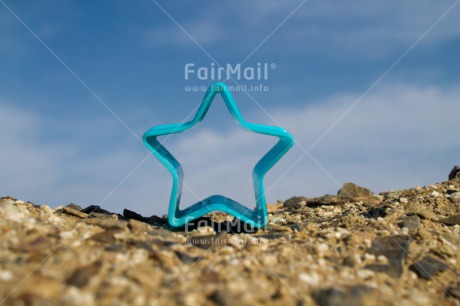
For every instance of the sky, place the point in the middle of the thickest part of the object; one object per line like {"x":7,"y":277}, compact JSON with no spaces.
{"x":369,"y":90}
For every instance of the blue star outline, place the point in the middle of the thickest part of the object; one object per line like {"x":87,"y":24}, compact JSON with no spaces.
{"x":258,"y":217}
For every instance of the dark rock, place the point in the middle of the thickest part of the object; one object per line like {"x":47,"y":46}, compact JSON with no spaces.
{"x":81,"y":276}
{"x":455,"y":173}
{"x":95,"y":209}
{"x":153,"y":220}
{"x":294,"y":202}
{"x":376,"y":212}
{"x":454,"y":291}
{"x":141,"y":244}
{"x":410,"y":222}
{"x":452,"y":220}
{"x":74,"y":206}
{"x":352,"y":192}
{"x":162,"y":233}
{"x":428,"y":267}
{"x":394,"y":248}
{"x":115,"y":247}
{"x":354,"y":295}
{"x":187,"y":259}
{"x":325,"y":200}
{"x":163,"y":243}
{"x":296,"y":227}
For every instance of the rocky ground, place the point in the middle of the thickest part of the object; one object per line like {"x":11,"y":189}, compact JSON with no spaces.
{"x":354,"y":248}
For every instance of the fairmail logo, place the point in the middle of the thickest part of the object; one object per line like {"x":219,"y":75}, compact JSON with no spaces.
{"x":259,"y":72}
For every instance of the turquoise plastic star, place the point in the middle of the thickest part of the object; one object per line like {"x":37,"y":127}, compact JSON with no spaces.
{"x":257,"y":217}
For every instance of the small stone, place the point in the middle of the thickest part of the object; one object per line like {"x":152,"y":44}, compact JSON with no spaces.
{"x":435,"y":194}
{"x":105,"y":236}
{"x":454,"y":291}
{"x":428,"y":267}
{"x":205,"y":230}
{"x":358,"y":295}
{"x":272,"y":208}
{"x":310,"y":278}
{"x":294,"y":202}
{"x":137,"y":227}
{"x":377,"y":212}
{"x":455,"y":196}
{"x":185,"y":258}
{"x":403,"y":200}
{"x":455,"y":173}
{"x":410,"y":222}
{"x":81,"y":276}
{"x":296,"y":227}
{"x":325,"y":200}
{"x":224,"y":297}
{"x":95,"y":209}
{"x":395,"y":249}
{"x":452,"y":220}
{"x":74,"y":206}
{"x":72,"y":212}
{"x":6,"y":275}
{"x":352,"y":192}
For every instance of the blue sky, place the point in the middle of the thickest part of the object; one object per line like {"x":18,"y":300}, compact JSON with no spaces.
{"x":370,"y":91}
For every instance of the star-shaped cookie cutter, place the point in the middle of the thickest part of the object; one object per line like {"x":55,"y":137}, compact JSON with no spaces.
{"x":258,"y":217}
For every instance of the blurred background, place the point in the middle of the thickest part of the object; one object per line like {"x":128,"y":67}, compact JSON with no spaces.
{"x":369,"y":90}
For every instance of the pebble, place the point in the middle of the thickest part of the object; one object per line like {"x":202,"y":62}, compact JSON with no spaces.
{"x":395,"y":249}
{"x":452,"y":220}
{"x":312,"y":279}
{"x":6,"y":275}
{"x":359,"y":295}
{"x":428,"y":266}
{"x":294,"y":202}
{"x":455,"y":173}
{"x":325,"y":200}
{"x":353,"y":192}
{"x":137,"y":227}
{"x":81,"y":276}
{"x":454,"y":291}
{"x":411,"y":222}
{"x":105,"y":236}
{"x":455,"y":196}
{"x":72,"y":212}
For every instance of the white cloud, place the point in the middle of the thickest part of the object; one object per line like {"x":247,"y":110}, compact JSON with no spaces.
{"x":357,"y":29}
